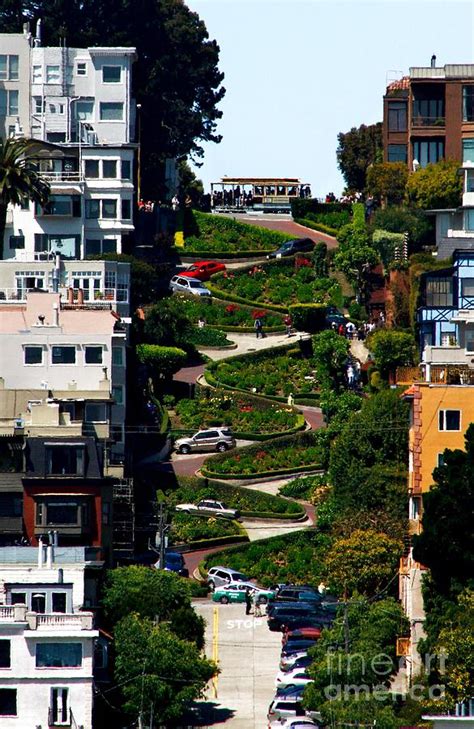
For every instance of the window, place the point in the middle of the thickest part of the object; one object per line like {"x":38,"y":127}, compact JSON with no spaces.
{"x":105,"y":512}
{"x":33,"y":355}
{"x":126,"y":170}
{"x":468,"y":150}
{"x":117,"y":394}
{"x":117,"y":356}
{"x":8,"y":702}
{"x":468,"y":103}
{"x":397,"y":153}
{"x":59,"y":706}
{"x":428,"y":151}
{"x":111,"y":111}
{"x":60,"y":205}
{"x":65,"y":460}
{"x":93,"y":209}
{"x":63,"y":354}
{"x":91,"y":168}
{"x":84,"y":110}
{"x":109,"y":168}
{"x":11,"y":130}
{"x":96,"y":412}
{"x":449,"y":420}
{"x":5,"y":653}
{"x":397,"y":116}
{"x":439,"y":292}
{"x":52,"y":75}
{"x":111,"y":74}
{"x":126,"y":209}
{"x":428,"y":112}
{"x":52,"y":108}
{"x":109,"y":245}
{"x":93,"y":246}
{"x":58,"y":655}
{"x":109,"y":208}
{"x":39,"y":105}
{"x":17,"y":242}
{"x":60,"y":108}
{"x":8,"y":102}
{"x":467,"y":287}
{"x":62,"y":512}
{"x":38,"y":602}
{"x":59,"y":602}
{"x":117,"y":432}
{"x":469,"y":180}
{"x":18,"y":598}
{"x":8,"y":68}
{"x":81,"y":68}
{"x":56,"y":137}
{"x":469,"y":219}
{"x":11,"y":504}
{"x":37,"y":74}
{"x":440,"y":461}
{"x":93,"y":354}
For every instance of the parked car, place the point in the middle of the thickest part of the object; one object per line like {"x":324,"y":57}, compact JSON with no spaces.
{"x":188,"y":286}
{"x":291,"y":620}
{"x":203,"y":270}
{"x":219,"y":576}
{"x":174,"y":562}
{"x":296,"y":660}
{"x":301,"y":634}
{"x":285,"y":707}
{"x":296,"y":677}
{"x":296,"y":646}
{"x":296,"y":594}
{"x":302,"y":723}
{"x":215,"y":439}
{"x":235,"y":592}
{"x":208,"y":507}
{"x":297,"y":245}
{"x":294,"y":607}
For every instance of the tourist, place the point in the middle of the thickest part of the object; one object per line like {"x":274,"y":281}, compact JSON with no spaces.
{"x":288,"y":322}
{"x":258,"y":324}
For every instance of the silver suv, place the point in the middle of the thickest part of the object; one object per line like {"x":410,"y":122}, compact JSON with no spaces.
{"x":220,"y":576}
{"x":214,"y":439}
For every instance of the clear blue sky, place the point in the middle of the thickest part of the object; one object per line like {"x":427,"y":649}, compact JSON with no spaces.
{"x":298,"y":72}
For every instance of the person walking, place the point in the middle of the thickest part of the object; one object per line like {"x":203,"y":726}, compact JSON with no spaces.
{"x":258,"y":328}
{"x":288,"y":322}
{"x":248,"y":601}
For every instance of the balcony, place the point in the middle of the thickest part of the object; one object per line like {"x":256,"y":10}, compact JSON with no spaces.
{"x":422,"y":122}
{"x":53,"y":177}
{"x":459,"y":374}
{"x":76,"y":621}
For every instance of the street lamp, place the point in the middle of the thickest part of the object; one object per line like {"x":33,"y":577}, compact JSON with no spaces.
{"x":139,"y":156}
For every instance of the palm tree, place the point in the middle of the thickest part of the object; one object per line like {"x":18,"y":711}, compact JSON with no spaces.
{"x":19,"y":179}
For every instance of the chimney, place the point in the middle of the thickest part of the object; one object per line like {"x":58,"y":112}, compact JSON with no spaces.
{"x":49,"y":557}
{"x":40,"y":553}
{"x":37,"y":41}
{"x":80,"y":297}
{"x":56,"y":314}
{"x":56,"y":273}
{"x":433,"y":61}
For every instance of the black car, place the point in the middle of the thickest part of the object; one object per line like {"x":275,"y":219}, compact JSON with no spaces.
{"x":297,"y":245}
{"x":301,"y":593}
{"x":293,"y":607}
{"x":292,"y":620}
{"x":295,"y":646}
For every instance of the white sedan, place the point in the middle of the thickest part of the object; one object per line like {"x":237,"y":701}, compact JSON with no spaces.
{"x":208,"y":507}
{"x":296,"y":677}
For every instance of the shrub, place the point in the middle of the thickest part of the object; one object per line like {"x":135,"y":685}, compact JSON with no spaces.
{"x":300,"y":207}
{"x":386,"y":243}
{"x":308,"y":223}
{"x":209,"y":233}
{"x":205,"y":337}
{"x":225,"y":315}
{"x":334,"y":219}
{"x":162,"y":362}
{"x":301,"y":488}
{"x":186,"y":528}
{"x":420,"y":227}
{"x":308,"y":317}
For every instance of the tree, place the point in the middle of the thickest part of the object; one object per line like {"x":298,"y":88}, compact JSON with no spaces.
{"x":159,"y":673}
{"x":435,"y":186}
{"x":19,"y":179}
{"x":456,"y":641}
{"x":391,"y":349}
{"x":355,"y":256}
{"x":446,"y":544}
{"x":167,"y":324}
{"x":320,"y":259}
{"x":162,"y":362}
{"x":357,"y":149}
{"x":175,"y":77}
{"x":330,"y":352}
{"x":406,"y":220}
{"x":386,"y":181}
{"x":364,"y":563}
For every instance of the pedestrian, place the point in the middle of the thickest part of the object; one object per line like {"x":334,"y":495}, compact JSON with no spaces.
{"x":291,"y":399}
{"x":287,"y":321}
{"x":258,"y":328}
{"x":257,"y":610}
{"x":201,"y":323}
{"x":248,"y":601}
{"x":350,"y":376}
{"x":342,"y":330}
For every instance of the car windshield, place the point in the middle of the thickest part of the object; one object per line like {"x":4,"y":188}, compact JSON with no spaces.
{"x":239,"y":577}
{"x":195,"y":284}
{"x":174,"y":558}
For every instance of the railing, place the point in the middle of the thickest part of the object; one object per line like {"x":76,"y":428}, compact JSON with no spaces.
{"x":63,"y":176}
{"x":96,"y":296}
{"x":57,"y":620}
{"x":7,"y":612}
{"x":436,"y":375}
{"x":428,"y":121}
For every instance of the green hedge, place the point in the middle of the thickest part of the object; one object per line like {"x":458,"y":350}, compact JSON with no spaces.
{"x":163,"y":362}
{"x":189,"y":529}
{"x":211,"y":234}
{"x":289,"y":454}
{"x":320,"y":227}
{"x":308,"y":317}
{"x":218,"y":542}
{"x":209,"y":337}
{"x":223,"y":255}
{"x":300,"y":207}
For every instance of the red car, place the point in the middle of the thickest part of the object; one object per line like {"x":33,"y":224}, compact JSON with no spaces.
{"x":301,"y":634}
{"x":203,"y":270}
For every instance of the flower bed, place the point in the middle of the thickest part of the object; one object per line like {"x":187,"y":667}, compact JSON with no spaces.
{"x":246,"y":415}
{"x":278,"y":283}
{"x":211,"y":234}
{"x":273,"y":372}
{"x":293,"y":558}
{"x":248,"y":501}
{"x":226,"y":315}
{"x":289,"y":454}
{"x":186,"y":529}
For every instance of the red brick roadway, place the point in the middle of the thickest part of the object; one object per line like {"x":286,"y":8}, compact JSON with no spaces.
{"x":290,"y":227}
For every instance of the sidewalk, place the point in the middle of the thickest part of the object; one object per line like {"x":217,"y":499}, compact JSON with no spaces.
{"x":250,"y":343}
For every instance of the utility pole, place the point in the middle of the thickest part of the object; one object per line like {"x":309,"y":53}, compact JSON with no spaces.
{"x":161,"y":534}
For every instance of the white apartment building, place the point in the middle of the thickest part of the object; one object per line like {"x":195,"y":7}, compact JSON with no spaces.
{"x":75,"y":355}
{"x":78,"y":102}
{"x":46,"y":668}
